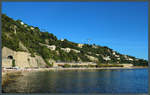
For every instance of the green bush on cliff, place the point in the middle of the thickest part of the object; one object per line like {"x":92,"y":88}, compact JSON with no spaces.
{"x":48,"y":63}
{"x":13,"y":63}
{"x":67,"y":66}
{"x":109,"y":65}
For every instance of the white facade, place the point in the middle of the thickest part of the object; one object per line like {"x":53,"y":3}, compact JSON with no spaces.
{"x":77,"y":51}
{"x":80,"y":45}
{"x":66,"y":49}
{"x":97,"y":54}
{"x":31,"y":28}
{"x":25,"y":25}
{"x":52,"y":47}
{"x":106,"y":58}
{"x":22,"y":23}
{"x":114,"y":53}
{"x":130,"y":59}
{"x":118,"y":58}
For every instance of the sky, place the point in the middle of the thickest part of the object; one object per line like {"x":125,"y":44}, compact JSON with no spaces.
{"x":121,"y":26}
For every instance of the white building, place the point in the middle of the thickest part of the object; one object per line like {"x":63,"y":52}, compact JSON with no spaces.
{"x":77,"y":51}
{"x":97,"y":54}
{"x":66,"y":49}
{"x":80,"y":45}
{"x":22,"y":23}
{"x":118,"y":58}
{"x":106,"y":58}
{"x":31,"y":28}
{"x":25,"y":25}
{"x":130,"y":59}
{"x":52,"y":47}
{"x":114,"y":53}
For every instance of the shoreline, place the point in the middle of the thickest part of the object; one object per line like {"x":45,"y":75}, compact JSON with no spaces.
{"x":82,"y":68}
{"x":102,"y":68}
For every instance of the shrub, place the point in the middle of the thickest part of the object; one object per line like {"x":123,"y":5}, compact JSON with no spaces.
{"x":109,"y":65}
{"x":32,"y":55}
{"x":67,"y":66}
{"x":48,"y":64}
{"x":13,"y":63}
{"x":91,"y":65}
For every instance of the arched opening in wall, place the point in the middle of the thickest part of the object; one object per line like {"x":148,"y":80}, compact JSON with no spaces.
{"x":10,"y":57}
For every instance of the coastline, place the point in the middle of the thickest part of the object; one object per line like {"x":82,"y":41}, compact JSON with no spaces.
{"x":102,"y":68}
{"x":4,"y":72}
{"x":46,"y":69}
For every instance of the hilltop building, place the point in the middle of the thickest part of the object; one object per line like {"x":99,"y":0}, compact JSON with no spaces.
{"x":80,"y":45}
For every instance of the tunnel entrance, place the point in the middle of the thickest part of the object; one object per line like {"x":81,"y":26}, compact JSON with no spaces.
{"x":10,"y":57}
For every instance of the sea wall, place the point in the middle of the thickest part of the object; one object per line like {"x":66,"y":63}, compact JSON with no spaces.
{"x":22,"y":59}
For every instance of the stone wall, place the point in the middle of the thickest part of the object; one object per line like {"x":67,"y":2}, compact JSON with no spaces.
{"x":22,"y":59}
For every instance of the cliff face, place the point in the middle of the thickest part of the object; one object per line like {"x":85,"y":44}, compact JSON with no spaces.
{"x":31,"y":47}
{"x":22,"y":59}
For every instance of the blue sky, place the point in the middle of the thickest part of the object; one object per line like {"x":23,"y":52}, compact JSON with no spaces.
{"x":122,"y":26}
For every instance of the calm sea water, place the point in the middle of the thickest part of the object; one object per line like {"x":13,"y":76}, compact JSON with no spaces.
{"x":82,"y":81}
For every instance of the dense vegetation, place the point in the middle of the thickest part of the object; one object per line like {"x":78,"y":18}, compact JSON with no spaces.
{"x":14,"y":33}
{"x":96,"y":66}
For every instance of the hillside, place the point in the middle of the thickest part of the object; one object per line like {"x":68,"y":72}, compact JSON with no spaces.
{"x":21,"y":37}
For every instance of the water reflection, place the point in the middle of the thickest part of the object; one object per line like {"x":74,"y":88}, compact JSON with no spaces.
{"x":82,"y":81}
